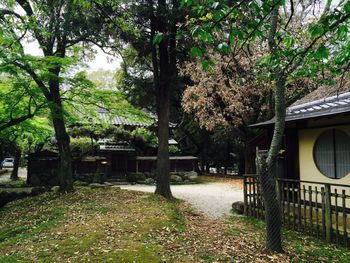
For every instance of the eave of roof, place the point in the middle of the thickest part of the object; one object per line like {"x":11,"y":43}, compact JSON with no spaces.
{"x":319,"y":108}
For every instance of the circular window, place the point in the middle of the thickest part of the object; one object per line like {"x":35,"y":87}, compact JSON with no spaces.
{"x":332,"y":153}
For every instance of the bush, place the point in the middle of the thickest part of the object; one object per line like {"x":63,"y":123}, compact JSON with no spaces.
{"x":135,"y":177}
{"x":10,"y":194}
{"x":83,"y":147}
{"x":173,"y":149}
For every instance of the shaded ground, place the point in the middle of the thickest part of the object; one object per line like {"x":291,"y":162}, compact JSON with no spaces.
{"x":113,"y":225}
{"x":214,"y":196}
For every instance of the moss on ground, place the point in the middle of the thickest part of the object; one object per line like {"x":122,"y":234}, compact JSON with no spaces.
{"x":112,"y":225}
{"x":100,"y":225}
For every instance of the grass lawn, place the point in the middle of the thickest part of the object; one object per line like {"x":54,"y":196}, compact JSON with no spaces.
{"x":112,"y":225}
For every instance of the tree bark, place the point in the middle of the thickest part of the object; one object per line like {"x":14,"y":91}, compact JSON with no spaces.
{"x":268,"y":175}
{"x":268,"y":165}
{"x":65,"y":170}
{"x":16,"y":163}
{"x":163,"y":164}
{"x":165,"y":77}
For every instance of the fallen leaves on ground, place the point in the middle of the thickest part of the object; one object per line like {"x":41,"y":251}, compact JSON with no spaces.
{"x":113,"y":225}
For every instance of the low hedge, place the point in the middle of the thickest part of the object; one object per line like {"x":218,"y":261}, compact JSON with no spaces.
{"x":10,"y":194}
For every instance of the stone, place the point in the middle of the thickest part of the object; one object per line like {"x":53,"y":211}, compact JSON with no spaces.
{"x":176,"y":178}
{"x":55,"y":188}
{"x":108,"y":183}
{"x":150,"y":175}
{"x":238,"y":207}
{"x":192,"y":175}
{"x":184,"y":175}
{"x":150,"y":181}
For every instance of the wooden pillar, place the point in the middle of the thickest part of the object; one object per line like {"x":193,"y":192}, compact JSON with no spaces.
{"x":328,"y":213}
{"x":245,"y":196}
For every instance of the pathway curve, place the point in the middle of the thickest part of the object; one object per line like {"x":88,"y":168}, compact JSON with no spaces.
{"x":22,"y":173}
{"x":214,"y":199}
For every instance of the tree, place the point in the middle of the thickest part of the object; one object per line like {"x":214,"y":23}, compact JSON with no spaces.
{"x":154,"y":34}
{"x":20,"y":101}
{"x":229,"y":96}
{"x":58,"y":27}
{"x":293,"y":51}
{"x":135,"y":78}
{"x":163,"y":22}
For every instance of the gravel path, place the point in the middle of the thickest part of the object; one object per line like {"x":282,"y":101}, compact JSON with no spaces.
{"x":22,"y":173}
{"x":214,"y":199}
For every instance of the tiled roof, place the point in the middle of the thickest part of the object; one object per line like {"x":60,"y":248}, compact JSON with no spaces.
{"x":317,"y":108}
{"x":122,"y":120}
{"x":149,"y":158}
{"x":129,"y":121}
{"x":328,"y":106}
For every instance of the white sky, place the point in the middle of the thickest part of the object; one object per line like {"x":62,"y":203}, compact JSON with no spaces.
{"x":101,"y":60}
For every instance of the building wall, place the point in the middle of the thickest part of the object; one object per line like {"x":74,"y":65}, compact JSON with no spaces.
{"x":308,"y":168}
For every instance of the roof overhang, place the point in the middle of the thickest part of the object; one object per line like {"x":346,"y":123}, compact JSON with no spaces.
{"x":328,"y":107}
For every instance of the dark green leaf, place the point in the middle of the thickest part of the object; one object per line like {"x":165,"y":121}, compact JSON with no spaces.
{"x":158,"y":38}
{"x":197,"y":52}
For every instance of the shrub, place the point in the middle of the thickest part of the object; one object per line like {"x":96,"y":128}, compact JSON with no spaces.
{"x":83,"y":147}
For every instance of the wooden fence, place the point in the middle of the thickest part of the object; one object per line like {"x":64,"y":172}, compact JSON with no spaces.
{"x":318,"y":209}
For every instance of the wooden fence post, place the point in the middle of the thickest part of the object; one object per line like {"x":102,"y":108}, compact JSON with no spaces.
{"x":328,"y":213}
{"x":245,"y":196}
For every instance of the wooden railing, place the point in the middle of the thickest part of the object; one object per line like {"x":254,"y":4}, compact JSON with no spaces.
{"x":318,"y":209}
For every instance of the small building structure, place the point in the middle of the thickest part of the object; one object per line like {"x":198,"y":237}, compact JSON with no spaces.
{"x":113,"y":161}
{"x":316,"y":142}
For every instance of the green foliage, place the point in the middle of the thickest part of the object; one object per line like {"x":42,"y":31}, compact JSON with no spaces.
{"x":174,"y":149}
{"x":241,"y":24}
{"x":197,"y":52}
{"x":147,"y":136}
{"x":83,"y":146}
{"x":158,"y":38}
{"x":135,"y":78}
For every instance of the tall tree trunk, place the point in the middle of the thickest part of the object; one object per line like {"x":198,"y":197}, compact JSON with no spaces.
{"x":165,"y":76}
{"x":17,"y":159}
{"x":163,"y":164}
{"x":268,"y":165}
{"x":65,"y":169}
{"x":164,"y":68}
{"x":268,"y":175}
